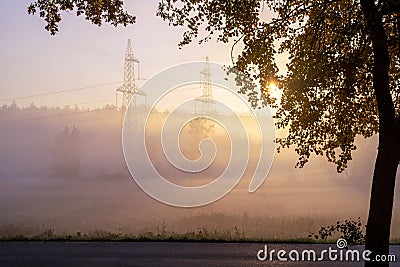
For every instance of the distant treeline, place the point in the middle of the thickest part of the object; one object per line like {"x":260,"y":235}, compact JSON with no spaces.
{"x":13,"y":106}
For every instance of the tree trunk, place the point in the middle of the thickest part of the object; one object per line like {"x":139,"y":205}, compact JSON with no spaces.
{"x":383,"y":182}
{"x":381,"y":203}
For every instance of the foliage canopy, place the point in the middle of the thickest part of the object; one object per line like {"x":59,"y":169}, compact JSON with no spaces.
{"x":97,"y":12}
{"x":327,"y":93}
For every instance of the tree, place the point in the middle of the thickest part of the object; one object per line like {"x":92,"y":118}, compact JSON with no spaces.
{"x":66,"y":154}
{"x":97,"y":12}
{"x":342,"y":78}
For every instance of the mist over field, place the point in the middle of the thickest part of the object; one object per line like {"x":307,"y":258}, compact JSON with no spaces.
{"x":63,"y":168}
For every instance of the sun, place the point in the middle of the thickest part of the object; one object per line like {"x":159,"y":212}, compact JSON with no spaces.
{"x":273,"y":91}
{"x":272,"y":87}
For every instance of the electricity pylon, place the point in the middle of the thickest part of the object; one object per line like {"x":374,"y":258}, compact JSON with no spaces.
{"x":129,"y":89}
{"x":207,"y":105}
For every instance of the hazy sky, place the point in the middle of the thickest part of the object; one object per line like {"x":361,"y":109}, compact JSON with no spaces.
{"x":81,"y":54}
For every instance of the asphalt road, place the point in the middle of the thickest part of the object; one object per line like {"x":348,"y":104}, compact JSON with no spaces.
{"x":156,"y":254}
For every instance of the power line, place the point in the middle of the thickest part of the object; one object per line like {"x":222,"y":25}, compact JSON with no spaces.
{"x":59,"y":115}
{"x":84,"y":103}
{"x":92,"y":102}
{"x":70,"y":90}
{"x":58,"y":92}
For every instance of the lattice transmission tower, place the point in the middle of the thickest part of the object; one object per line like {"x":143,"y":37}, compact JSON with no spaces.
{"x":129,"y":88}
{"x":208,"y":104}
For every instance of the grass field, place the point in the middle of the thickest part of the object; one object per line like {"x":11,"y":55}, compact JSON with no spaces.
{"x":214,"y":227}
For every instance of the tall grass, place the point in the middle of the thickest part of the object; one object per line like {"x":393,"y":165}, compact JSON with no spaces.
{"x":213,"y":227}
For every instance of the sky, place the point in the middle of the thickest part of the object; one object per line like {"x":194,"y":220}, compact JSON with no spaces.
{"x":82,"y":55}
